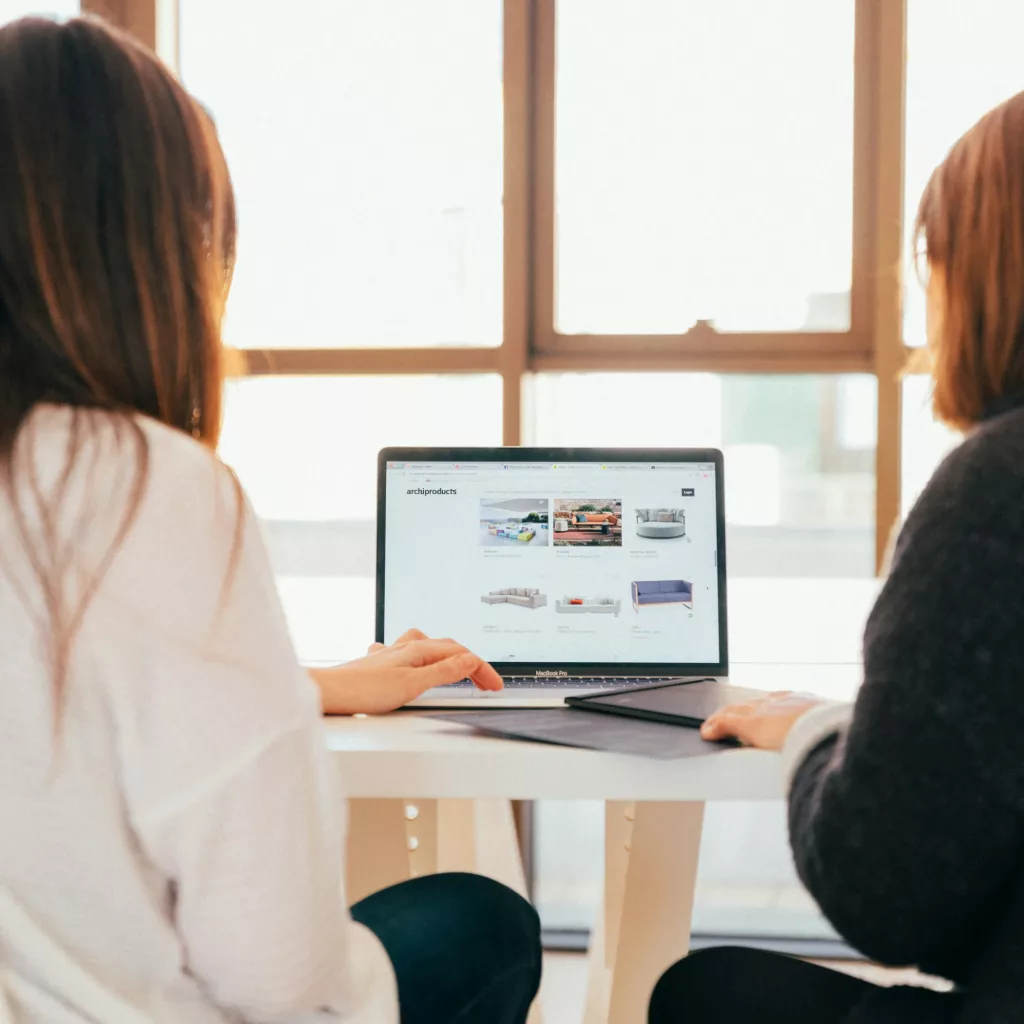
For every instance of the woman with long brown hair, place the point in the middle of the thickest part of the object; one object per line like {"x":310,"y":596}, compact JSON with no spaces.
{"x":906,"y":809}
{"x":171,"y":848}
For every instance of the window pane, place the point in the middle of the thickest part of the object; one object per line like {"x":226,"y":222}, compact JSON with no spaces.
{"x":305,"y":449}
{"x":926,"y":442}
{"x":704,"y":165}
{"x":365,"y":143}
{"x":799,"y":454}
{"x":962,"y":60}
{"x":10,"y":10}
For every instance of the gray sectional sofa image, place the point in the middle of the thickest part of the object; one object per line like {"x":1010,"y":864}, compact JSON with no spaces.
{"x":648,"y":592}
{"x":660,"y":523}
{"x":524,"y":597}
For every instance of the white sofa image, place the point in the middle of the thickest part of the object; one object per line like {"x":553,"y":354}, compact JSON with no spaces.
{"x":660,"y":523}
{"x":524,"y":597}
{"x":583,"y":605}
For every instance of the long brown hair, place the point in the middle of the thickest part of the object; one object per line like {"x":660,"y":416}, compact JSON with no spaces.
{"x":971,"y":223}
{"x":117,"y":233}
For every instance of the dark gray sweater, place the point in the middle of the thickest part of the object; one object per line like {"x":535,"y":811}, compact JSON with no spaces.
{"x":908,"y":828}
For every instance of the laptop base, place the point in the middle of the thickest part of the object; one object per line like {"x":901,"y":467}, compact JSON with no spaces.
{"x":531,"y":692}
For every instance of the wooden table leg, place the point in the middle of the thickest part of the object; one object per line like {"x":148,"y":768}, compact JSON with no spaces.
{"x":604,"y":937}
{"x":657,"y":903}
{"x":618,"y":833}
{"x":599,"y":977}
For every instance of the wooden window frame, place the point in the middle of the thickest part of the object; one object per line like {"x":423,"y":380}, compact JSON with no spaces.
{"x":702,"y":348}
{"x":530,"y":343}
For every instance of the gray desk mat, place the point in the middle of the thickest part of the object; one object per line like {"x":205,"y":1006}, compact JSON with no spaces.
{"x":567,"y":727}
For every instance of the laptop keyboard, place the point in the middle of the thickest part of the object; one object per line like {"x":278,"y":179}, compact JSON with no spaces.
{"x":576,"y":682}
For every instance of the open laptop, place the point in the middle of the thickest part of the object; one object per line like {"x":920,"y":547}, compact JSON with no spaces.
{"x":571,"y":570}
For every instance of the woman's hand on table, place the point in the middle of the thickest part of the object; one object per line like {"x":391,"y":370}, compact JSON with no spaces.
{"x":391,"y":676}
{"x":763,"y":723}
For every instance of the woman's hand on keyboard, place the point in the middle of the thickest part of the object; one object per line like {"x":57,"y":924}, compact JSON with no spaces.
{"x":390,"y":676}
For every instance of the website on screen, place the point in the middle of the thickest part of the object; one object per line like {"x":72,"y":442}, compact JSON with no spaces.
{"x":548,"y":562}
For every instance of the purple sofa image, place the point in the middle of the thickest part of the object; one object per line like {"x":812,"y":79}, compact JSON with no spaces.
{"x":661,"y":592}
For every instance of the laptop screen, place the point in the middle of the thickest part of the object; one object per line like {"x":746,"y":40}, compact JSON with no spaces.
{"x":560,"y":563}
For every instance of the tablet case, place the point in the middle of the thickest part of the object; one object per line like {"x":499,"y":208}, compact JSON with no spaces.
{"x":565,"y":727}
{"x":615,"y":702}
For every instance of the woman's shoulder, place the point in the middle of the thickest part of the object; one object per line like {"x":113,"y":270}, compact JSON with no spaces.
{"x":127,"y":458}
{"x":108,"y":438}
{"x":978,"y":487}
{"x":138,"y":502}
{"x":992,"y":454}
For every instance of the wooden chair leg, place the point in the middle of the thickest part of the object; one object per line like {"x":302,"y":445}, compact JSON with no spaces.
{"x":377,"y":847}
{"x":421,"y":825}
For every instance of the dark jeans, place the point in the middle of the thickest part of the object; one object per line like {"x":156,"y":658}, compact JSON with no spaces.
{"x":466,"y":950}
{"x":749,"y":986}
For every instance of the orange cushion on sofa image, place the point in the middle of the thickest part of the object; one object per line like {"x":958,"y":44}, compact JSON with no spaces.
{"x":597,"y":517}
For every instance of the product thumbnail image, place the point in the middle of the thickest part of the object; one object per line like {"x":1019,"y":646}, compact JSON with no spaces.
{"x":514,"y":522}
{"x":652,"y":592}
{"x":660,"y":523}
{"x":521,"y":597}
{"x":594,"y":605}
{"x":588,"y":522}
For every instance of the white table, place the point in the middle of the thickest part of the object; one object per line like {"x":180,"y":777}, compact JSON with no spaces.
{"x":458,"y":785}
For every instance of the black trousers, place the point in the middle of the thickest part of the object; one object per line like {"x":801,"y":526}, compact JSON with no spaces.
{"x":749,"y":986}
{"x":466,"y":950}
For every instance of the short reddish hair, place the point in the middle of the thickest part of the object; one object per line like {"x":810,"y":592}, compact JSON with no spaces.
{"x":971,"y":221}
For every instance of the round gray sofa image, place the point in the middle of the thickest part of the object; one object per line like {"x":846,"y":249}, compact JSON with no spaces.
{"x":660,"y":523}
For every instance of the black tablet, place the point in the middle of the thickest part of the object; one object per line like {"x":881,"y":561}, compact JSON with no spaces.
{"x":677,"y":703}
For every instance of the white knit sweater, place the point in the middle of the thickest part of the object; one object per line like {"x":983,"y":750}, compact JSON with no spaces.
{"x":178,"y":836}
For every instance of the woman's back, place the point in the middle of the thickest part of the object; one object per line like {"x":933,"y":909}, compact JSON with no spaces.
{"x":909,"y":830}
{"x":168,"y":822}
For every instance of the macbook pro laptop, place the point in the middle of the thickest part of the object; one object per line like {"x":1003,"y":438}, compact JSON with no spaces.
{"x":572,"y":570}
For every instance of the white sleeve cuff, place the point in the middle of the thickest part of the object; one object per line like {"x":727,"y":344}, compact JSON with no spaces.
{"x":810,"y":729}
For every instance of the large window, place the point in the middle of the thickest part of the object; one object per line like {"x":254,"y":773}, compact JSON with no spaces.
{"x":663,"y":222}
